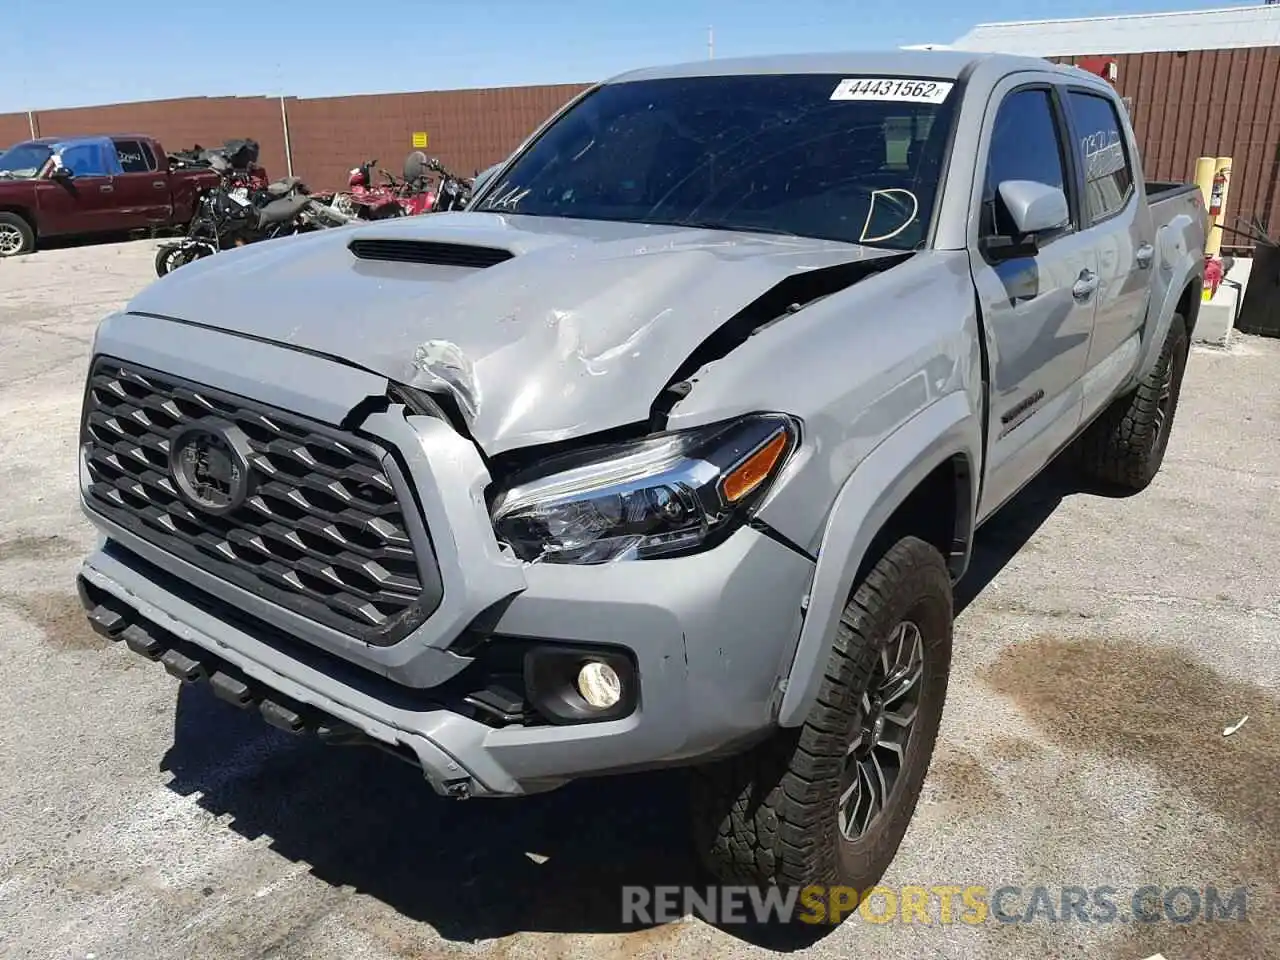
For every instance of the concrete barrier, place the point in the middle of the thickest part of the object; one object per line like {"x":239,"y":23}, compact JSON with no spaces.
{"x":1218,"y":315}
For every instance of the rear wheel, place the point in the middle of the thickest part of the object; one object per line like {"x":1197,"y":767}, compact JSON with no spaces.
{"x":1125,"y":446}
{"x":16,"y":235}
{"x":830,"y":803}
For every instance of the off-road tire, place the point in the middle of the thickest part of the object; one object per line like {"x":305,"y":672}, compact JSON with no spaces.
{"x":1125,"y":446}
{"x":769,"y":816}
{"x":28,"y":236}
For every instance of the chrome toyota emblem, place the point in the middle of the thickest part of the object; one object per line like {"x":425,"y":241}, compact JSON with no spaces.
{"x":209,"y":465}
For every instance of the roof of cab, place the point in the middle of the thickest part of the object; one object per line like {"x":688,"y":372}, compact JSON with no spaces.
{"x":939,"y":64}
{"x":89,"y":136}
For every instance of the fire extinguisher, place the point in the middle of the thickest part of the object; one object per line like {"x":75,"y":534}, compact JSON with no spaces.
{"x":1215,"y":194}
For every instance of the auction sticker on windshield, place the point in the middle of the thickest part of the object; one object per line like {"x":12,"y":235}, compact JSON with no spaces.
{"x":899,"y":89}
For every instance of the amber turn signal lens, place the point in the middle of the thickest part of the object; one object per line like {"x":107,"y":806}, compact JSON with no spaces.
{"x":753,"y":471}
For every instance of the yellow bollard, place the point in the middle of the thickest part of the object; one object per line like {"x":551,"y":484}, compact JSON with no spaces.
{"x":1204,"y":177}
{"x":1218,"y":204}
{"x":1204,"y":180}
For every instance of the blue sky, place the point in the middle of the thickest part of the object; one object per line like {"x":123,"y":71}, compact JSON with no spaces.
{"x":80,"y":52}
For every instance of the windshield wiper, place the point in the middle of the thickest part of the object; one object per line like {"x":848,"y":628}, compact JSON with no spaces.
{"x":740,"y":228}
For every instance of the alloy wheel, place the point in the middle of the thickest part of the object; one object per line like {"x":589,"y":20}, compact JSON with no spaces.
{"x":10,"y":240}
{"x":1164,"y":400}
{"x":877,"y":753}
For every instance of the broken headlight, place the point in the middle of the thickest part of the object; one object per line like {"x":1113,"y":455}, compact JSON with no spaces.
{"x":655,"y":497}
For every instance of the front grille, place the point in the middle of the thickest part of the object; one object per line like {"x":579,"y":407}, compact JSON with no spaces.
{"x":319,"y":529}
{"x":430,"y":252}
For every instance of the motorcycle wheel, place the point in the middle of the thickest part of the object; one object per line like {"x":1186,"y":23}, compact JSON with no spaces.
{"x":171,"y":256}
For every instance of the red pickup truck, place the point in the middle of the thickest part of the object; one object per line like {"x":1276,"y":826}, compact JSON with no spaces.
{"x":82,"y":186}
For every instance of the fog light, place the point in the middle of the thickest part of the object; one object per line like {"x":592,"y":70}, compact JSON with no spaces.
{"x":599,"y":685}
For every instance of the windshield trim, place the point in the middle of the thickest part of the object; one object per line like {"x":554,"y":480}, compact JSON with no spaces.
{"x":948,"y":152}
{"x":958,"y":91}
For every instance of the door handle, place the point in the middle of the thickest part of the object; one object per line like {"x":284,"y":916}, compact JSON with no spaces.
{"x":159,"y":184}
{"x":1085,"y":285}
{"x":106,"y":188}
{"x":1144,"y":255}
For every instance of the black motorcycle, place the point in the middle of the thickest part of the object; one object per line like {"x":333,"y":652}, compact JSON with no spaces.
{"x":241,"y":154}
{"x":237,"y":212}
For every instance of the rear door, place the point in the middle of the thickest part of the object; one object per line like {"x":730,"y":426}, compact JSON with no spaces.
{"x":1037,"y":310}
{"x":142,"y":189}
{"x":1117,"y":222}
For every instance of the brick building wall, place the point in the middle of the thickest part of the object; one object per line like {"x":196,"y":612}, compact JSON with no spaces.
{"x":13,"y":127}
{"x":467,"y":129}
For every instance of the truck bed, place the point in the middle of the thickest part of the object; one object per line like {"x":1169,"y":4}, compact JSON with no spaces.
{"x":1158,"y":190}
{"x":1169,"y":199}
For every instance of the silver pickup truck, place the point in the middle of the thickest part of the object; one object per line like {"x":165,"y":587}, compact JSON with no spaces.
{"x":667,"y":451}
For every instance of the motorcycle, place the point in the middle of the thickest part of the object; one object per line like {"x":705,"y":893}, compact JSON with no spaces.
{"x":413,"y":195}
{"x":453,"y":191}
{"x":234,"y":214}
{"x":240,"y":155}
{"x":365,"y":201}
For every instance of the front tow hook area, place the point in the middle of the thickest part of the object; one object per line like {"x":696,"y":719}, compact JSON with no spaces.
{"x":115,"y":621}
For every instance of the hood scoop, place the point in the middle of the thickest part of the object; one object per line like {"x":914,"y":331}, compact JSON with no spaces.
{"x":430,"y":252}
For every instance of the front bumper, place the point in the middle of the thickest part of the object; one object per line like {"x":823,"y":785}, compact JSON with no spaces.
{"x":710,"y":635}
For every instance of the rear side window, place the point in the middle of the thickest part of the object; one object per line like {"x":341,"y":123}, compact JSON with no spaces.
{"x":1108,"y":177}
{"x":135,"y":156}
{"x":1025,"y":145}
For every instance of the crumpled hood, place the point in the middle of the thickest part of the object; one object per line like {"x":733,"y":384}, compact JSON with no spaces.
{"x":578,"y":332}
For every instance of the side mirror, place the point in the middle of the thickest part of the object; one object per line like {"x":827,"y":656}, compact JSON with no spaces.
{"x":1035,"y":208}
{"x":62,"y":173}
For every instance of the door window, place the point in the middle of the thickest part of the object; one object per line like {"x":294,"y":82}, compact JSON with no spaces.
{"x":135,"y":156}
{"x":86,"y":160}
{"x":1025,"y":145}
{"x":1108,"y":175}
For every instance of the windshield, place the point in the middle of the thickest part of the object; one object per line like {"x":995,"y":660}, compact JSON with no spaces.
{"x":23,"y":160}
{"x":848,"y":159}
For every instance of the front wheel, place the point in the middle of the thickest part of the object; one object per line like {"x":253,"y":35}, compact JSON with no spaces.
{"x":16,"y":235}
{"x":829,"y":804}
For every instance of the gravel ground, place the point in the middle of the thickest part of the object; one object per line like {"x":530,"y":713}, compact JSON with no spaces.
{"x":1103,"y":646}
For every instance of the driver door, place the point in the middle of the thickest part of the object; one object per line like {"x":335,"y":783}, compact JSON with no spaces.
{"x":85,"y":203}
{"x":1037,"y":309}
{"x":73,"y":207}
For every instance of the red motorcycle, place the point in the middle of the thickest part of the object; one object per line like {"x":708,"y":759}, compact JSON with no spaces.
{"x":415,"y":194}
{"x":451,"y":193}
{"x":366,"y":201}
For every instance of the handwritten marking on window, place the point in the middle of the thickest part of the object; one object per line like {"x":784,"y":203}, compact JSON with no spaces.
{"x":507,"y":201}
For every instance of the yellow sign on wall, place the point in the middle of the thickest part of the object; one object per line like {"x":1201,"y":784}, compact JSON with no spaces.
{"x":420,"y":139}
